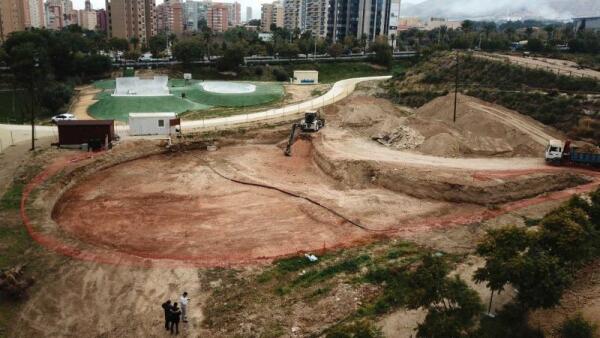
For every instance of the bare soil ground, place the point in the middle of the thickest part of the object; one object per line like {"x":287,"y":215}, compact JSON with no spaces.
{"x":299,"y":93}
{"x":85,"y":98}
{"x":175,"y":215}
{"x":177,"y":207}
{"x":153,"y":207}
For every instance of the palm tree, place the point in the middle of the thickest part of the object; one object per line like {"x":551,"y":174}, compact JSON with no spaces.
{"x":134,"y":41}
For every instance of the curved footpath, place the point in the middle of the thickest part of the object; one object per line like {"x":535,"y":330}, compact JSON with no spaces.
{"x":12,"y":134}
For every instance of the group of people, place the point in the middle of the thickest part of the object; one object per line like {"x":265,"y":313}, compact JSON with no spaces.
{"x":174,"y":313}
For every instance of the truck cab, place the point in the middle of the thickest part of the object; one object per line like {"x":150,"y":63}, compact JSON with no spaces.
{"x":554,"y":151}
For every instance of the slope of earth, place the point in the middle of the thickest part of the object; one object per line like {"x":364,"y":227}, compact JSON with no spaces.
{"x":481,"y":128}
{"x":372,"y":139}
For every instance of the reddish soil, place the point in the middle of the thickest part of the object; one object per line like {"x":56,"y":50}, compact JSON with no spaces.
{"x":183,"y":208}
{"x":175,"y":207}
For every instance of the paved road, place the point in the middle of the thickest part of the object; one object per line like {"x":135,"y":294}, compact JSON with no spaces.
{"x":12,"y":134}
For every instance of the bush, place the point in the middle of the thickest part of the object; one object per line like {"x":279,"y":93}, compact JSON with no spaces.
{"x":55,"y":96}
{"x":360,"y":329}
{"x":280,"y":75}
{"x":577,"y":327}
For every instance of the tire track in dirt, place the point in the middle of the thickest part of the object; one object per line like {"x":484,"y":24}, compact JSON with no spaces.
{"x":527,"y":127}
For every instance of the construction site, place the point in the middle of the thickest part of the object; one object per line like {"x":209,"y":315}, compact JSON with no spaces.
{"x":212,"y":212}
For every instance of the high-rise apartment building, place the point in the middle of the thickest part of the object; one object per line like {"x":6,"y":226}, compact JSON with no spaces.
{"x":101,"y":20}
{"x":37,"y":18}
{"x":357,"y":18}
{"x":169,"y":17}
{"x":234,"y":10}
{"x":217,"y":17}
{"x":54,"y":12}
{"x":194,"y":14}
{"x":14,"y":16}
{"x":292,"y":17}
{"x":131,"y":18}
{"x":87,"y":19}
{"x":271,"y":14}
{"x":314,"y":18}
{"x":248,"y":13}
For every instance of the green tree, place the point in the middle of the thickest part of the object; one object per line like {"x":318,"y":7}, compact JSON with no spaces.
{"x":594,"y":210}
{"x":541,"y":280}
{"x":535,"y":45}
{"x":157,"y":44}
{"x":135,"y":41}
{"x":94,"y":66}
{"x":118,"y":45}
{"x":3,"y":55}
{"x":383,"y":52}
{"x":568,"y":234}
{"x":503,"y":250}
{"x":335,"y":50}
{"x":577,"y":327}
{"x":453,"y":307}
{"x":187,"y":50}
{"x":232,"y":59}
{"x":30,"y":67}
{"x":467,"y":26}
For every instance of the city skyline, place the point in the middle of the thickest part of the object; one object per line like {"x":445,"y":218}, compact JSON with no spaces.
{"x":255,"y":4}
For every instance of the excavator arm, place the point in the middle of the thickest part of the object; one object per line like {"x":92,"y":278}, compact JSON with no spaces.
{"x":288,"y":148}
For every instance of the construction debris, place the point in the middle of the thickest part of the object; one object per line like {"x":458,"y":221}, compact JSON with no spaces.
{"x":13,"y":282}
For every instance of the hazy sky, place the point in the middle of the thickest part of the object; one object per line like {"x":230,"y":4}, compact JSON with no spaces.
{"x":255,"y":4}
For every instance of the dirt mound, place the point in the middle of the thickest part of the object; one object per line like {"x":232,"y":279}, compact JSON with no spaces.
{"x":365,"y":111}
{"x":481,"y":129}
{"x":442,"y":144}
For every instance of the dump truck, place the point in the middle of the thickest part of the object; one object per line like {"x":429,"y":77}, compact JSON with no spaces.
{"x":565,"y":153}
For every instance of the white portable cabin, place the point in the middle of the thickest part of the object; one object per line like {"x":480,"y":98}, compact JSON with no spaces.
{"x":306,"y":77}
{"x":151,"y":124}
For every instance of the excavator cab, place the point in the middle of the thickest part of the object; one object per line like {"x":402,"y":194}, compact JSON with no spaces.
{"x":311,"y":122}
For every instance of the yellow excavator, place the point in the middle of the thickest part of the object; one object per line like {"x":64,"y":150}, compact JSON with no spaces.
{"x":311,"y":123}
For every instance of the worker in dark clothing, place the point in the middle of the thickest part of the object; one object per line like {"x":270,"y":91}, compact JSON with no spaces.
{"x":175,"y":317}
{"x":167,"y":307}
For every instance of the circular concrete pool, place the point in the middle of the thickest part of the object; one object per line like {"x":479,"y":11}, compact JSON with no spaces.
{"x":223,"y":87}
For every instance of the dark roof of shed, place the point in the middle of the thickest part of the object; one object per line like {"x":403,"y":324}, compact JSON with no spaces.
{"x":86,"y":123}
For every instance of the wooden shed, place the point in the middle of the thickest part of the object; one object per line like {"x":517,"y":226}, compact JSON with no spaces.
{"x":92,"y":132}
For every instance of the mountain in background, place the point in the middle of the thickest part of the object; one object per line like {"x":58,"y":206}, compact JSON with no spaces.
{"x":504,"y":9}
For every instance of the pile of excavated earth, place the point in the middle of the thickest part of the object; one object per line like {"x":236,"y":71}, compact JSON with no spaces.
{"x":480,"y":129}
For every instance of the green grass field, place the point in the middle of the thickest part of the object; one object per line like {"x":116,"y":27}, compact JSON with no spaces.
{"x":118,"y":108}
{"x":109,"y":107}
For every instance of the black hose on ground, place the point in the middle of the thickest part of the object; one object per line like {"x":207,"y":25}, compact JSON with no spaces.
{"x":289,"y":193}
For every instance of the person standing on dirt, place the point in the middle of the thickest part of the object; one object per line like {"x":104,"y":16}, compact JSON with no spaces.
{"x":167,"y":307}
{"x":184,"y":300}
{"x":175,"y":316}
